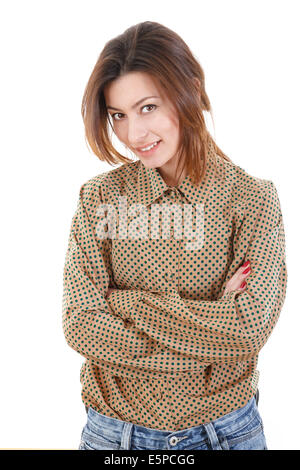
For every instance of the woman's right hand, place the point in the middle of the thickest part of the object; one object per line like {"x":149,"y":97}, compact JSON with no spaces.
{"x":237,"y":280}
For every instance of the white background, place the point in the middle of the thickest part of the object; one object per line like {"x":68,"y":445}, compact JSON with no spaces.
{"x":250,"y":56}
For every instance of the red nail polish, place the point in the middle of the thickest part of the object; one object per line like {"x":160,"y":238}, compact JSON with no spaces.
{"x":243,"y":285}
{"x":246,"y":264}
{"x":246,"y":270}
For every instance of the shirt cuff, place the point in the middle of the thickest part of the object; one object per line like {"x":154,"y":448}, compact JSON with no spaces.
{"x":230,"y":295}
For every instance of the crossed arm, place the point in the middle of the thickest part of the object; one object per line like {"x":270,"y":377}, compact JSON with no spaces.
{"x":121,"y":330}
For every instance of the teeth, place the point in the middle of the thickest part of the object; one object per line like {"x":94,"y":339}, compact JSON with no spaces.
{"x":150,"y":147}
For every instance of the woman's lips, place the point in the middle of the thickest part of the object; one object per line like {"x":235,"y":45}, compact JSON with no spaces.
{"x":149,"y":152}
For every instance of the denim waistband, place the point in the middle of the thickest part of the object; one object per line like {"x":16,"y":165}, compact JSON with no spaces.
{"x":118,"y":430}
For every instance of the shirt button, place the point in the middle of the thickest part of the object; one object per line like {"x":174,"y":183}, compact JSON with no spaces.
{"x":169,"y":276}
{"x":172,"y":192}
{"x":158,"y":394}
{"x":173,"y":441}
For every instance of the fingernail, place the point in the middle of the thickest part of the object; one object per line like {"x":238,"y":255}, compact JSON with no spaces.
{"x":246,"y":270}
{"x":246,"y":264}
{"x":243,"y":285}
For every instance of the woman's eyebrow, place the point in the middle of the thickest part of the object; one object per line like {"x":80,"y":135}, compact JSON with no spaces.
{"x":135,"y":105}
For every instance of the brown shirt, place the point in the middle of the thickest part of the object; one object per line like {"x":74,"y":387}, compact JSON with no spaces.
{"x":169,"y":350}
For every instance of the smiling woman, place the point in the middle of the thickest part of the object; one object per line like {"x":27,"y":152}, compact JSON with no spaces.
{"x":170,"y":330}
{"x":150,"y":130}
{"x":156,"y":87}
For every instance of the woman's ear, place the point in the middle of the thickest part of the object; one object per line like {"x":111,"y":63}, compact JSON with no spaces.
{"x":197,"y":83}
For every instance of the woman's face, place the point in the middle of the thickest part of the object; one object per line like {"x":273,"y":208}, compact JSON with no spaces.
{"x":151,"y":120}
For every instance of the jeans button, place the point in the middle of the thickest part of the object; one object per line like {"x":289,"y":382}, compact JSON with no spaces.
{"x":173,"y":441}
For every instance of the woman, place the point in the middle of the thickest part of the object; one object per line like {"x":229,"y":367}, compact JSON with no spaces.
{"x":169,"y":313}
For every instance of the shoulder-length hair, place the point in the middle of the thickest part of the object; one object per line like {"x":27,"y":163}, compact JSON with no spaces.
{"x":155,"y":49}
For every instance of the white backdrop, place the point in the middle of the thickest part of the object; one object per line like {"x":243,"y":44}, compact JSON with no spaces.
{"x":250,"y":57}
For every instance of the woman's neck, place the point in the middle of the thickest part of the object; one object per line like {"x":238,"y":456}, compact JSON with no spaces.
{"x":169,"y":176}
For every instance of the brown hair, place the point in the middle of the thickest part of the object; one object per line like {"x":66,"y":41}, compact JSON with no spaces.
{"x":155,"y":49}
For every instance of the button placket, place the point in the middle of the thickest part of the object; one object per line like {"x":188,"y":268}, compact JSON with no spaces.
{"x":174,"y":195}
{"x":169,"y":275}
{"x":157,"y":392}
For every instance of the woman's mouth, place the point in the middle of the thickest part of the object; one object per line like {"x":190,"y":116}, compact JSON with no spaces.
{"x":150,"y":149}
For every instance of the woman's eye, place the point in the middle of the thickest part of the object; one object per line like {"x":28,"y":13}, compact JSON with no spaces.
{"x":145,"y":106}
{"x":113,"y":116}
{"x":149,"y":106}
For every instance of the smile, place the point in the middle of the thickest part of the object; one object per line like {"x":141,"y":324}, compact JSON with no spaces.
{"x":149,"y":149}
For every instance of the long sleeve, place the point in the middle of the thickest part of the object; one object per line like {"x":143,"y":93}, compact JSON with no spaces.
{"x":90,"y":325}
{"x":235,"y":326}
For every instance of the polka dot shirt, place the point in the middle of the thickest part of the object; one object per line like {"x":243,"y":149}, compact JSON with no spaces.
{"x":168,"y":349}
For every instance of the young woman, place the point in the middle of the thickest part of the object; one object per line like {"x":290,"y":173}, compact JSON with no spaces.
{"x":169,"y":313}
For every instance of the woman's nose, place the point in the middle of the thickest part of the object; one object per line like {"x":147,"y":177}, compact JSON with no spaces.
{"x":136,"y":133}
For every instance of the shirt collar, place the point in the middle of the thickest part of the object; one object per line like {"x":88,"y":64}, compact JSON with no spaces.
{"x":150,"y":185}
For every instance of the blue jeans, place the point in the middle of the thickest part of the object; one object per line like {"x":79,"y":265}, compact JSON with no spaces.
{"x":241,"y":429}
